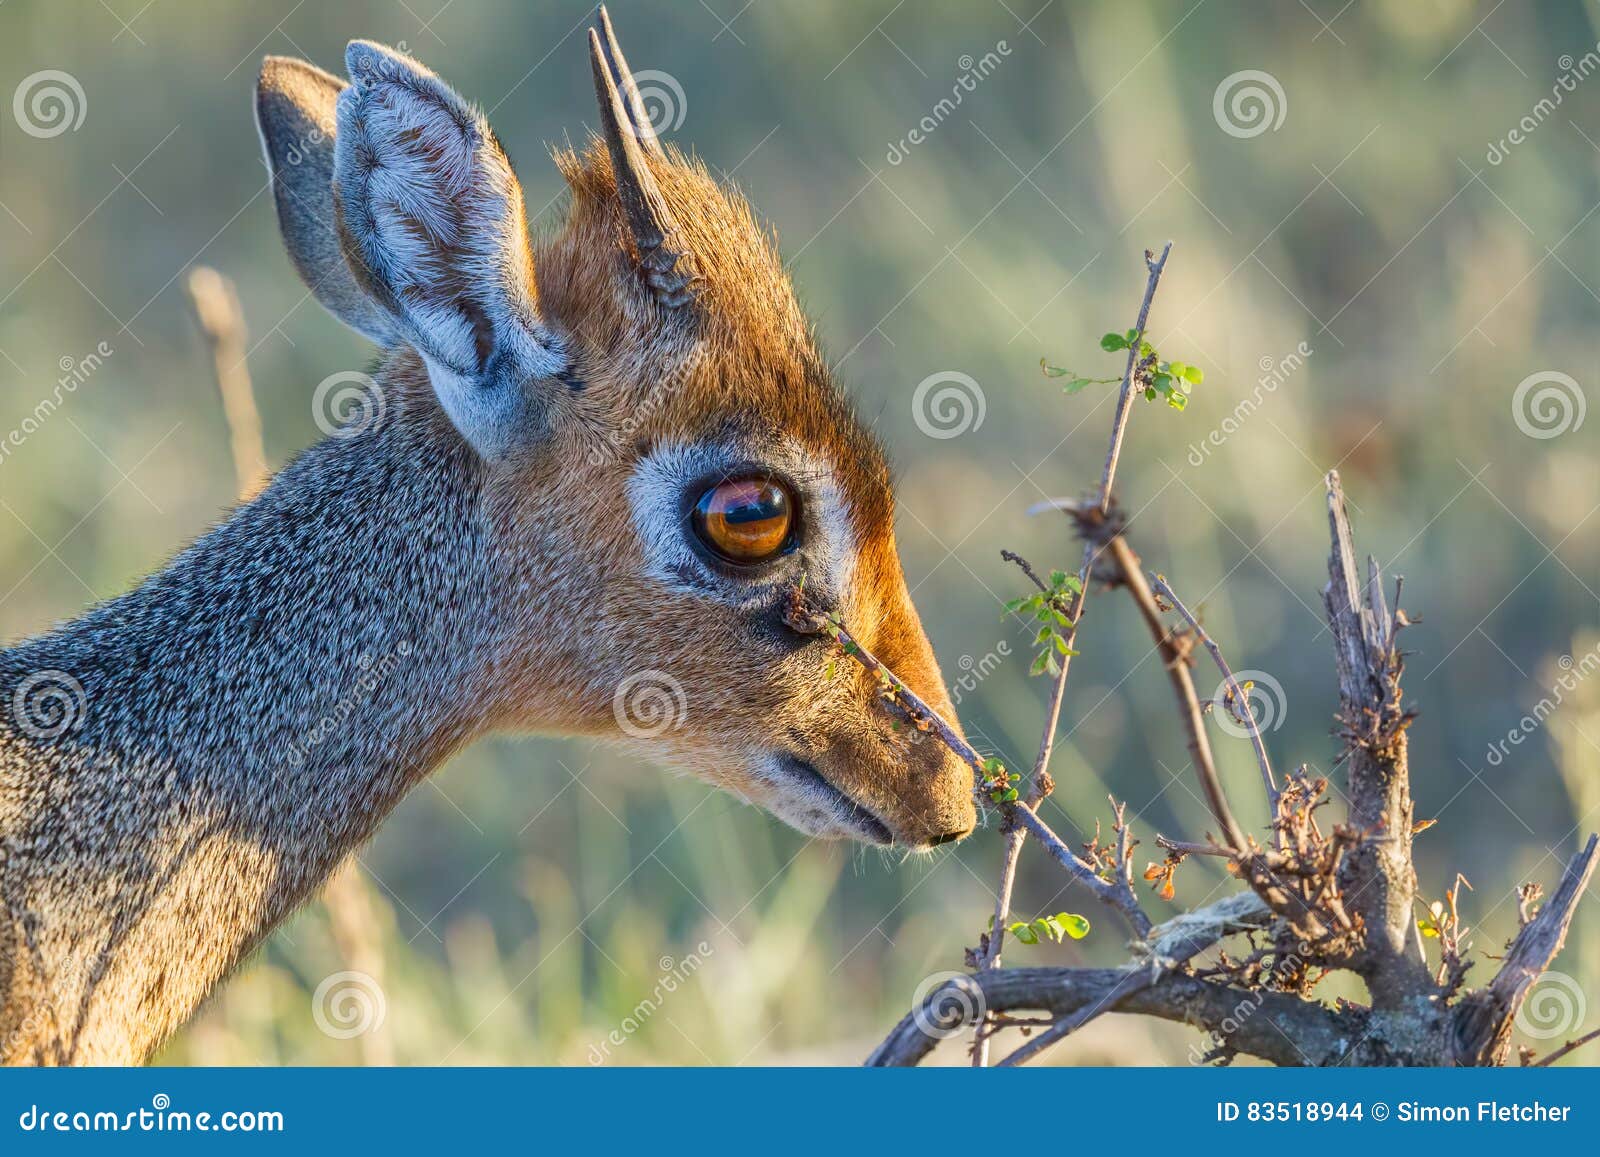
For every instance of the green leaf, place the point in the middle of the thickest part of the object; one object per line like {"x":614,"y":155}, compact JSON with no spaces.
{"x":1193,"y":374}
{"x":1112,"y":342}
{"x":1039,"y":664}
{"x":1076,"y":385}
{"x":1061,"y":645}
{"x":1075,"y":926}
{"x":1150,"y":395}
{"x":1058,"y":578}
{"x":1163,"y":383}
{"x":1025,"y":934}
{"x":1178,"y":399}
{"x":1051,"y":371}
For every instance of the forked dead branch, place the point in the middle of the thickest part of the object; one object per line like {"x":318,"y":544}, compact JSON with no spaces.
{"x":1318,"y":896}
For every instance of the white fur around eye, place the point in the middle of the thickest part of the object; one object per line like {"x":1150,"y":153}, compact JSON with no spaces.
{"x":657,"y":495}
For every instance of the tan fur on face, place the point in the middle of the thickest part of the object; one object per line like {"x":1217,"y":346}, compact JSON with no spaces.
{"x":738,"y":366}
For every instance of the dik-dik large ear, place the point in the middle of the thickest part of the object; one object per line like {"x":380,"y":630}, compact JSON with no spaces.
{"x":432,"y":224}
{"x":295,"y":104}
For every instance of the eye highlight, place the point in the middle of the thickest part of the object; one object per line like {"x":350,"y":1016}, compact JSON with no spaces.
{"x":746,"y":521}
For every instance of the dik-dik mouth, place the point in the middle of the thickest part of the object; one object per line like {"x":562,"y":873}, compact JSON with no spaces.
{"x":806,"y":782}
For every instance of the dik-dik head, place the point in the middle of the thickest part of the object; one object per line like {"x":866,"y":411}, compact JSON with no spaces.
{"x":661,"y":450}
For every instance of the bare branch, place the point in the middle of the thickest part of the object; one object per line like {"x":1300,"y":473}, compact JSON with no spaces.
{"x":1377,"y":875}
{"x":1175,"y":658}
{"x":1241,"y":702}
{"x":1483,"y":1019}
{"x":1119,"y":424}
{"x":1570,"y":1047}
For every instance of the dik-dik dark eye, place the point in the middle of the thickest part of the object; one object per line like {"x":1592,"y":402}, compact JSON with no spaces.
{"x":746,"y":521}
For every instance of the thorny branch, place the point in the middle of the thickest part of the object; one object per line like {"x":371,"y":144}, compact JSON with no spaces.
{"x":1317,"y":900}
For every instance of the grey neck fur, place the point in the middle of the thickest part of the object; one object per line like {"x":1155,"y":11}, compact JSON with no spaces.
{"x":248,"y":716}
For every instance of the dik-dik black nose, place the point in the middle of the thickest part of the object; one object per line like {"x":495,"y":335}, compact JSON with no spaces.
{"x":949,"y":837}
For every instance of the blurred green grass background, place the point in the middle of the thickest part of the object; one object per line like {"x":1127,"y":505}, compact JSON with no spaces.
{"x":520,"y":907}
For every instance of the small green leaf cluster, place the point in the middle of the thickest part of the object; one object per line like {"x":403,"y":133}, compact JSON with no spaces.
{"x":1169,"y":379}
{"x":998,"y":782}
{"x":1052,"y":610}
{"x":1061,"y":926}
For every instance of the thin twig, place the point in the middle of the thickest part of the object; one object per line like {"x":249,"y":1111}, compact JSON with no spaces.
{"x":805,"y":619}
{"x":1119,"y":425}
{"x":1040,"y":783}
{"x":1241,"y":702}
{"x":1569,"y":1047}
{"x":1175,"y":658}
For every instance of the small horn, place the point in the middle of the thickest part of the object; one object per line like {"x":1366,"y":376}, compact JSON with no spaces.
{"x":642,"y":203}
{"x":632,"y":101}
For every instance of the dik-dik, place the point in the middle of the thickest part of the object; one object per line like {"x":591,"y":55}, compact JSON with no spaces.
{"x":607,"y":450}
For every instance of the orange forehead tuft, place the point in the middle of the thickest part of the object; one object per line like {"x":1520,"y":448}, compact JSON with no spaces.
{"x":755,"y":365}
